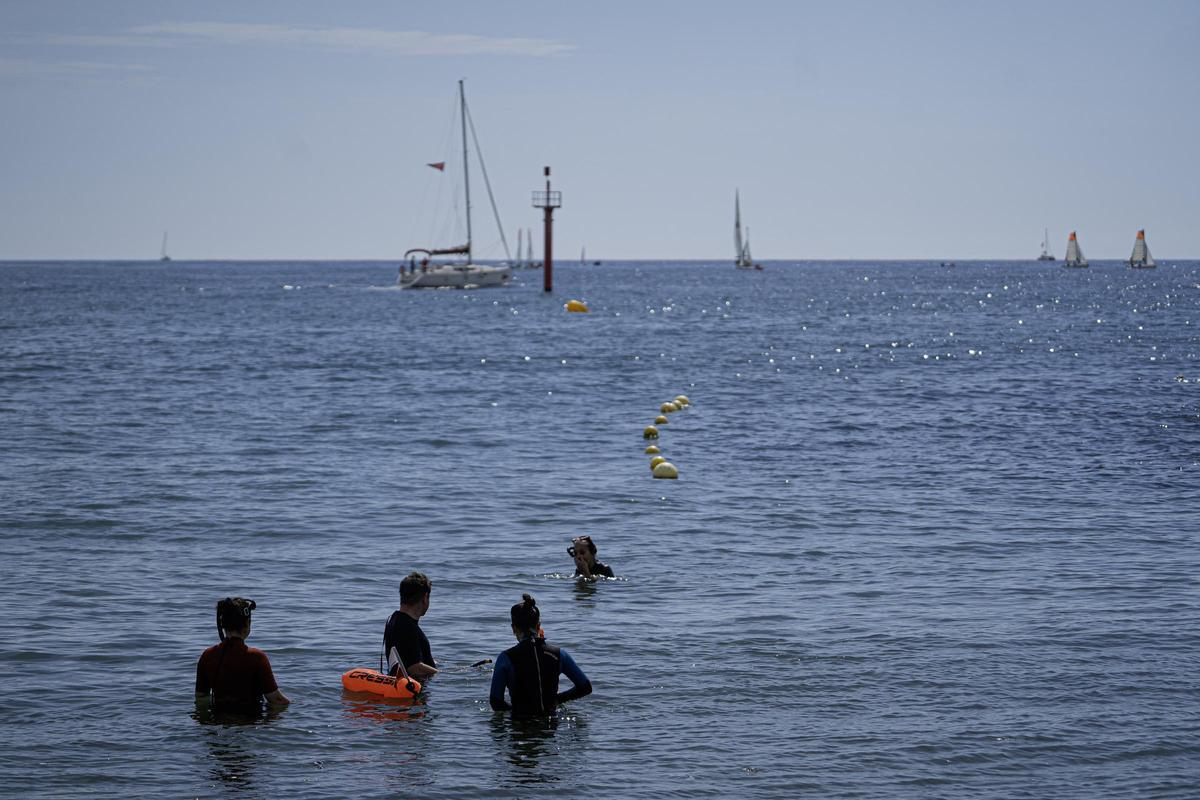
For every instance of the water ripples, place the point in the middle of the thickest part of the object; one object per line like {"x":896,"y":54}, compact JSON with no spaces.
{"x":931,"y":538}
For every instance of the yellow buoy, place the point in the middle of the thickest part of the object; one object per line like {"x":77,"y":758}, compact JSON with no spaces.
{"x":660,"y":420}
{"x":654,"y":462}
{"x":651,"y":432}
{"x":666,"y":470}
{"x":682,"y":400}
{"x":667,"y":408}
{"x":575,"y":305}
{"x":652,"y":450}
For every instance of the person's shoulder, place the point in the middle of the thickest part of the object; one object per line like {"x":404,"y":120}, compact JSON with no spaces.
{"x":257,"y":655}
{"x":211,"y":652}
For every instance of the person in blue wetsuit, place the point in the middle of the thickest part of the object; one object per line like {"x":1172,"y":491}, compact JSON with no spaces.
{"x":530,"y":670}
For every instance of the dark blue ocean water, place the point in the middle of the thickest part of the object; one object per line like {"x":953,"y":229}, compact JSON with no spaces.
{"x":935,"y":533}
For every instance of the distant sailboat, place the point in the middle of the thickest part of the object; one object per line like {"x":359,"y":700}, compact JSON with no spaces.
{"x":1046,"y":254}
{"x":529,"y":262}
{"x":1141,"y":258}
{"x":1075,"y":257}
{"x":741,"y":245}
{"x":164,"y":256}
{"x":465,"y":274}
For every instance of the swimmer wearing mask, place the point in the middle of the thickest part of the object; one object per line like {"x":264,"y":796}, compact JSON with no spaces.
{"x":583,"y":550}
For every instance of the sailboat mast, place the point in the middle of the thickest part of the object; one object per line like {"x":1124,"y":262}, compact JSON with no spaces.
{"x":737,"y":225}
{"x":462,"y":102}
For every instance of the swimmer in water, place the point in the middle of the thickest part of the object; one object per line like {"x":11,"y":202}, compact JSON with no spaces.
{"x":530,"y":670}
{"x":583,"y":550}
{"x":232,"y":674}
{"x":403,"y":639}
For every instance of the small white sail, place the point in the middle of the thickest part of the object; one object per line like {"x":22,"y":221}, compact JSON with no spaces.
{"x":738,"y":248}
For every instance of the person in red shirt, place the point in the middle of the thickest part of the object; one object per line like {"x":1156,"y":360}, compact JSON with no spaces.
{"x":230,"y":673}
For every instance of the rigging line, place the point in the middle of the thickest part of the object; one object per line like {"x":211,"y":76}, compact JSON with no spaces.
{"x":488,"y":184}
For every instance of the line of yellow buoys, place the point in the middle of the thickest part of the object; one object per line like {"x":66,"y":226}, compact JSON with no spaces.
{"x":659,"y":466}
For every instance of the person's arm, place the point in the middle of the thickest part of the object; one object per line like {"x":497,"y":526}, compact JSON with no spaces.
{"x":582,"y":686}
{"x":408,"y":649}
{"x":421,"y":670}
{"x":202,"y":687}
{"x":500,"y":678}
{"x":270,"y":689}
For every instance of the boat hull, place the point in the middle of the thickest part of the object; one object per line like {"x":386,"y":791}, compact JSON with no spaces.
{"x":456,"y":276}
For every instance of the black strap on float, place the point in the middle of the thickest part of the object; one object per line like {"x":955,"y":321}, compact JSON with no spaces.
{"x":412,"y":687}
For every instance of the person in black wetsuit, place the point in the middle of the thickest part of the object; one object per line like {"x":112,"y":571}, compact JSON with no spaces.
{"x":583,"y":550}
{"x":530,"y":670}
{"x":403,"y":639}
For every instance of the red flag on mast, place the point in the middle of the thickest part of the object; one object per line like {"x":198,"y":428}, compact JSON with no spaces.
{"x":440,"y":166}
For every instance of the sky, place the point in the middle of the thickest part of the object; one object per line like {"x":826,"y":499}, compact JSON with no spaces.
{"x":298,"y":129}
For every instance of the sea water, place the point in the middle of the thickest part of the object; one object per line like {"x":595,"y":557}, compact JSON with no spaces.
{"x":934,"y":534}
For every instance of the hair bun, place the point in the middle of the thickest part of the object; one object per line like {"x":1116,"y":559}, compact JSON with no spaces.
{"x":529,"y":601}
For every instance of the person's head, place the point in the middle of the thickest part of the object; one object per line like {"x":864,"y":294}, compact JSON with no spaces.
{"x":233,"y":617}
{"x":583,"y":550}
{"x":526,"y":619}
{"x":414,"y":593}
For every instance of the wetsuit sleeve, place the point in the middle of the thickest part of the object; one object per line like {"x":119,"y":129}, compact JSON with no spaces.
{"x":603,"y":569}
{"x":202,"y":686}
{"x":502,"y":676}
{"x":265,"y":677}
{"x":582,"y":686}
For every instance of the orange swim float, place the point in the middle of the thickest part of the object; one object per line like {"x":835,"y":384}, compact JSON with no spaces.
{"x":372,"y":681}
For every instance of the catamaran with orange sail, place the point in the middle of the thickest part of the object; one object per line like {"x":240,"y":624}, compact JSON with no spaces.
{"x":1075,"y":257}
{"x":1141,"y":258}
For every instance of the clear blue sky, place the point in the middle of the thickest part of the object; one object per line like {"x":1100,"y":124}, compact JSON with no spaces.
{"x":301,"y":129}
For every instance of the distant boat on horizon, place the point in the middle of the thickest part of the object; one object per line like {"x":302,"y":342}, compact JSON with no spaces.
{"x":1140,"y":258}
{"x":741,"y":245}
{"x":1046,"y":254}
{"x":164,"y":256}
{"x":1074,"y":257}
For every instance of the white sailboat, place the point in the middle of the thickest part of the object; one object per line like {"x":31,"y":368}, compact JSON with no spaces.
{"x":164,"y":256}
{"x":1075,"y":257}
{"x":741,"y":245}
{"x":1141,"y":258}
{"x":1046,"y":254}
{"x":422,"y":273}
{"x":521,"y":262}
{"x":529,"y":262}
